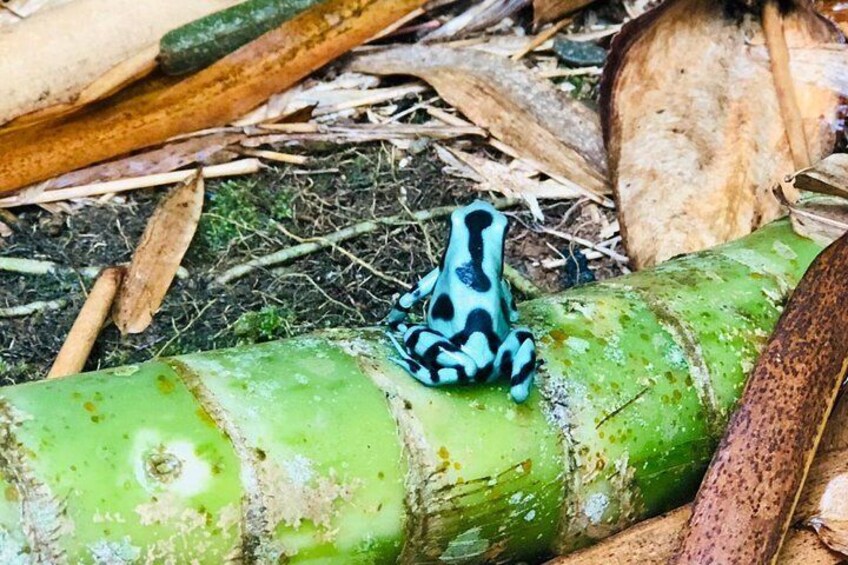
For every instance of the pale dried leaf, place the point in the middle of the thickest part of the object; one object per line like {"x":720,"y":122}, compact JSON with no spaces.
{"x":158,"y":255}
{"x":479,"y":16}
{"x":831,"y":522}
{"x":696,"y":143}
{"x":520,"y":109}
{"x":828,"y":176}
{"x":823,"y":219}
{"x":836,"y":10}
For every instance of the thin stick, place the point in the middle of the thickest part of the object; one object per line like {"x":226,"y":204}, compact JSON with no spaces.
{"x":785,"y":88}
{"x":32,"y":308}
{"x":276,"y":156}
{"x":586,"y":243}
{"x":37,"y":267}
{"x":350,"y":232}
{"x":74,"y":353}
{"x":521,"y":283}
{"x":361,"y":262}
{"x":541,"y":38}
{"x":242,"y":167}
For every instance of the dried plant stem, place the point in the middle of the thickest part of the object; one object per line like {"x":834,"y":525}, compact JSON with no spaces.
{"x":541,"y":38}
{"x":32,"y":308}
{"x":785,"y":88}
{"x":242,"y":167}
{"x":521,"y":283}
{"x":350,"y":232}
{"x":74,"y":352}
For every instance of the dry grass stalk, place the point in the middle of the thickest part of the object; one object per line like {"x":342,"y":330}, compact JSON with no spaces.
{"x":541,"y":38}
{"x":158,"y":255}
{"x":241,"y":167}
{"x":93,"y":315}
{"x":746,"y":500}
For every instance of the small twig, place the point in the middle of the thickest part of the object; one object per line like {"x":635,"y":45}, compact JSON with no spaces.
{"x":785,"y":88}
{"x":586,"y":243}
{"x":179,"y":332}
{"x":242,"y":167}
{"x":32,"y":308}
{"x":90,"y":320}
{"x":541,"y":38}
{"x":38,"y":267}
{"x":350,"y":232}
{"x":276,"y":156}
{"x":323,"y":292}
{"x":580,"y":71}
{"x":521,"y":283}
{"x":361,"y":262}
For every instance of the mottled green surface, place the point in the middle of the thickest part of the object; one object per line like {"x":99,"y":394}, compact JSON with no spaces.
{"x":353,"y":461}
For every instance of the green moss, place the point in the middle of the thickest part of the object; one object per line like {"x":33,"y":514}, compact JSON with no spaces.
{"x":240,"y":207}
{"x":271,"y":322}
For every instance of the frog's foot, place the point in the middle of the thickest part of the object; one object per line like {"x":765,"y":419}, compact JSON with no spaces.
{"x":432,"y":358}
{"x":516,"y":358}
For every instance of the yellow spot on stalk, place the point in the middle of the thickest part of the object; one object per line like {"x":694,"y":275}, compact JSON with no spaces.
{"x":164,"y":384}
{"x":11,"y":494}
{"x":444,"y":453}
{"x":89,"y":407}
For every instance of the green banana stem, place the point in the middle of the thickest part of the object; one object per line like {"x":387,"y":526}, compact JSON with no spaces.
{"x":319,"y":448}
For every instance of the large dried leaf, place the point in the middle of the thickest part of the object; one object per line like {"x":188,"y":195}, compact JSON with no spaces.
{"x":694,"y":128}
{"x":517,"y":107}
{"x":214,"y":96}
{"x":836,"y":10}
{"x":158,"y":255}
{"x":85,"y":49}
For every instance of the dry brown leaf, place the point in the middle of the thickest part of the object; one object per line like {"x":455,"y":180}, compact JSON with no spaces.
{"x":696,"y":142}
{"x":158,"y":255}
{"x":506,"y":98}
{"x":822,"y":219}
{"x":215,"y":96}
{"x":545,"y":11}
{"x":82,"y":50}
{"x":479,"y":16}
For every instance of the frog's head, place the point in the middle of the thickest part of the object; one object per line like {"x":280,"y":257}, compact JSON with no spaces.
{"x":480,"y":231}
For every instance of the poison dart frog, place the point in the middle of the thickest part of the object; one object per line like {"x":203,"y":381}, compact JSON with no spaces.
{"x":467,"y":335}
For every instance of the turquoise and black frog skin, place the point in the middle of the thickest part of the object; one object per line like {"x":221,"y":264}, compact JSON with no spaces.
{"x":467,"y":335}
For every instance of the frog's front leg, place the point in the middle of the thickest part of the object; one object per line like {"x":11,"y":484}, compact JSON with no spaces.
{"x":405,"y":303}
{"x":509,"y":302}
{"x":432,"y":358}
{"x":516,"y":359}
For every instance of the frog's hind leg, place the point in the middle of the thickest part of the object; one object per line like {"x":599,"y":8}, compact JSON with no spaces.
{"x":516,"y":359}
{"x":432,"y":358}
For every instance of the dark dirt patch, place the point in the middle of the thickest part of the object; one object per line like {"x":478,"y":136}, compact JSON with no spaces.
{"x":244,"y":218}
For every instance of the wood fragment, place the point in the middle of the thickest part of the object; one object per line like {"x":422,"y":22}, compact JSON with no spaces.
{"x":344,"y":234}
{"x":518,"y":108}
{"x":212,"y":97}
{"x":158,"y":255}
{"x":785,"y":89}
{"x":746,"y":501}
{"x":549,"y":10}
{"x":32,"y":308}
{"x":90,"y":320}
{"x":277,"y":156}
{"x":242,"y":167}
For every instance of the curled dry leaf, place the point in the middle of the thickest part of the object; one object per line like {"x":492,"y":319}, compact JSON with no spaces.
{"x":822,"y":218}
{"x":828,"y":176}
{"x":836,"y":10}
{"x":831,"y":521}
{"x":520,"y":109}
{"x":479,"y":16}
{"x":694,"y":127}
{"x":215,"y":96}
{"x":158,"y":255}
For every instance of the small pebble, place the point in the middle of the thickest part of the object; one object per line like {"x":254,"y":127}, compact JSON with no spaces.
{"x":576,"y":269}
{"x":579,"y":53}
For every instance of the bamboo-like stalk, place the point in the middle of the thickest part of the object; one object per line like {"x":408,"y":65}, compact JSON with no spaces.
{"x":320,"y":448}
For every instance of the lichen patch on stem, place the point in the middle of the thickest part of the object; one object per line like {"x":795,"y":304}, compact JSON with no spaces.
{"x":43,"y":515}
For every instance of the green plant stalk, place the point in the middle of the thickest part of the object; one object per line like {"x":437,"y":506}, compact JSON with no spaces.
{"x":202,"y":42}
{"x":319,"y":449}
